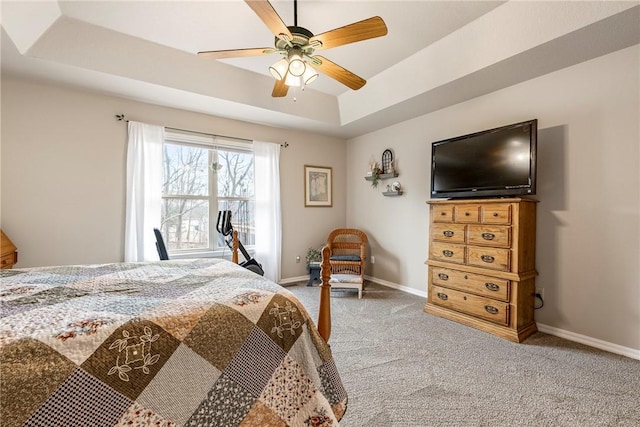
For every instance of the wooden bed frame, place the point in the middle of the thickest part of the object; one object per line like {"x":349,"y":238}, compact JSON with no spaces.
{"x":324,"y":311}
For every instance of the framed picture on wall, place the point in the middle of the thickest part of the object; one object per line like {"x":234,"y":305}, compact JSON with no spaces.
{"x":317,"y":186}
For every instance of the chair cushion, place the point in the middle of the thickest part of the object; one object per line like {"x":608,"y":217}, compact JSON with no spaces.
{"x":345,"y":258}
{"x":345,"y":278}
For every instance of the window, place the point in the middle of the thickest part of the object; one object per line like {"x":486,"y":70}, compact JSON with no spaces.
{"x":201,"y":177}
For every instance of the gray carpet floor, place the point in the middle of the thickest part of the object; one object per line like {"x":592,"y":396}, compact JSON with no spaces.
{"x":403,"y":367}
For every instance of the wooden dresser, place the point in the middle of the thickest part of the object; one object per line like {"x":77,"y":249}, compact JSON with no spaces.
{"x":8,"y":252}
{"x":482,"y":264}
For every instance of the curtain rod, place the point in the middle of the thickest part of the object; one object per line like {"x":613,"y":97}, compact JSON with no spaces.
{"x":121,"y":118}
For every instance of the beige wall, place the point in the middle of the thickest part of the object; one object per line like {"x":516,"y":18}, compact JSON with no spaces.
{"x":63,"y":174}
{"x":588,"y":226}
{"x":63,"y":192}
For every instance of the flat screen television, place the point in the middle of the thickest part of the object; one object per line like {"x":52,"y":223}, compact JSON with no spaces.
{"x":498,"y":162}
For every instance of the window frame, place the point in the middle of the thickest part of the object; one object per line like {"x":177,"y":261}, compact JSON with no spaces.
{"x":213,"y":144}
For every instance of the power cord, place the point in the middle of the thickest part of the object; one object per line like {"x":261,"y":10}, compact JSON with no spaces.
{"x":538,"y":297}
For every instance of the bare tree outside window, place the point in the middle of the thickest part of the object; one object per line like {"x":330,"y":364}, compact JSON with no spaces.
{"x":199,"y":181}
{"x":236,"y":193}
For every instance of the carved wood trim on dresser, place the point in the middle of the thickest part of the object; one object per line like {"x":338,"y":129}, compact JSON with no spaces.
{"x":8,"y":252}
{"x":482,"y":264}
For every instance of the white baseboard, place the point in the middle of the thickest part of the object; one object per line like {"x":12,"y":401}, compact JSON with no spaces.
{"x":592,"y":342}
{"x":397,"y":286}
{"x":571,"y":336}
{"x":290,"y":280}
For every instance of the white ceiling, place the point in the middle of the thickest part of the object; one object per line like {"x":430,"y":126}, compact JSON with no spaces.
{"x":436,"y":53}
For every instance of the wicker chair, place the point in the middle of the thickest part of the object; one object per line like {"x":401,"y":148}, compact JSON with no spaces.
{"x":347,"y":256}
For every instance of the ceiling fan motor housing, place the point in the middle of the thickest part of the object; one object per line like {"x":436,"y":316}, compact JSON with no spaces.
{"x":301,"y":38}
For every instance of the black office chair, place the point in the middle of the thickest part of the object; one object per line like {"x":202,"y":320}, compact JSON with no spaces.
{"x":162,"y":249}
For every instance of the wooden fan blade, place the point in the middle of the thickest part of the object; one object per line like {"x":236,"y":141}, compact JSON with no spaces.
{"x":237,"y":53}
{"x":338,"y":73}
{"x":358,"y":31}
{"x":280,"y":89}
{"x":270,"y":17}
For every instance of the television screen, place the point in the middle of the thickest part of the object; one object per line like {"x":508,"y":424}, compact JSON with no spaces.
{"x":495,"y":162}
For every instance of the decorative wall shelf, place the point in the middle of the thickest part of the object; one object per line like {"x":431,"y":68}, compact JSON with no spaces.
{"x":382,"y":176}
{"x":382,"y":171}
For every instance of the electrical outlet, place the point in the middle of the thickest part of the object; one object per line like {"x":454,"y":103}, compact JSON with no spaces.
{"x":297,"y":260}
{"x":373,"y":259}
{"x":540,"y":291}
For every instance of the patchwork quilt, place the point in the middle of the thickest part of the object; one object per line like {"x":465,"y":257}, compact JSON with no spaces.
{"x":170,"y":343}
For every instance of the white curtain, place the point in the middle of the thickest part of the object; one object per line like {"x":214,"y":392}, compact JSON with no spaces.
{"x":268,"y":218}
{"x":144,"y":191}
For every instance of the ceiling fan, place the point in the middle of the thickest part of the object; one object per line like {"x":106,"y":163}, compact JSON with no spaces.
{"x":296,"y":44}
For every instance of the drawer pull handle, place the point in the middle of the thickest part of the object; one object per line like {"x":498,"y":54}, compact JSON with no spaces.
{"x":488,"y":236}
{"x":466,"y":214}
{"x":442,"y":296}
{"x":448,"y":233}
{"x":443,"y":213}
{"x":447,"y":253}
{"x":487,"y":258}
{"x":491,"y":309}
{"x":443,"y":276}
{"x":492,"y":286}
{"x":495,"y":214}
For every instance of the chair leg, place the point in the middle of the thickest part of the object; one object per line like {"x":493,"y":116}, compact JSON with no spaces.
{"x":360,"y":292}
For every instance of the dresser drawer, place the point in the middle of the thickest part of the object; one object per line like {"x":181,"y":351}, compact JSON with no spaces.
{"x":493,"y":258}
{"x":490,"y":287}
{"x":484,"y":308}
{"x":448,"y":252}
{"x":467,"y":213}
{"x":496,"y":236}
{"x":453,"y":233}
{"x":442,"y":213}
{"x":498,"y":213}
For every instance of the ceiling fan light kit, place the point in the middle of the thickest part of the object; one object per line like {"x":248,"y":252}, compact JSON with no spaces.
{"x":298,"y":67}
{"x":279,"y":69}
{"x":309,"y":76}
{"x":293,"y":81}
{"x":285,"y":70}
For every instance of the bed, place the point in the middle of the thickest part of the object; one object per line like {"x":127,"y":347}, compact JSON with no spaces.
{"x":171,"y":343}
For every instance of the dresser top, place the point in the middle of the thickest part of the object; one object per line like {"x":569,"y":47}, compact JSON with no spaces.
{"x":483,"y":201}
